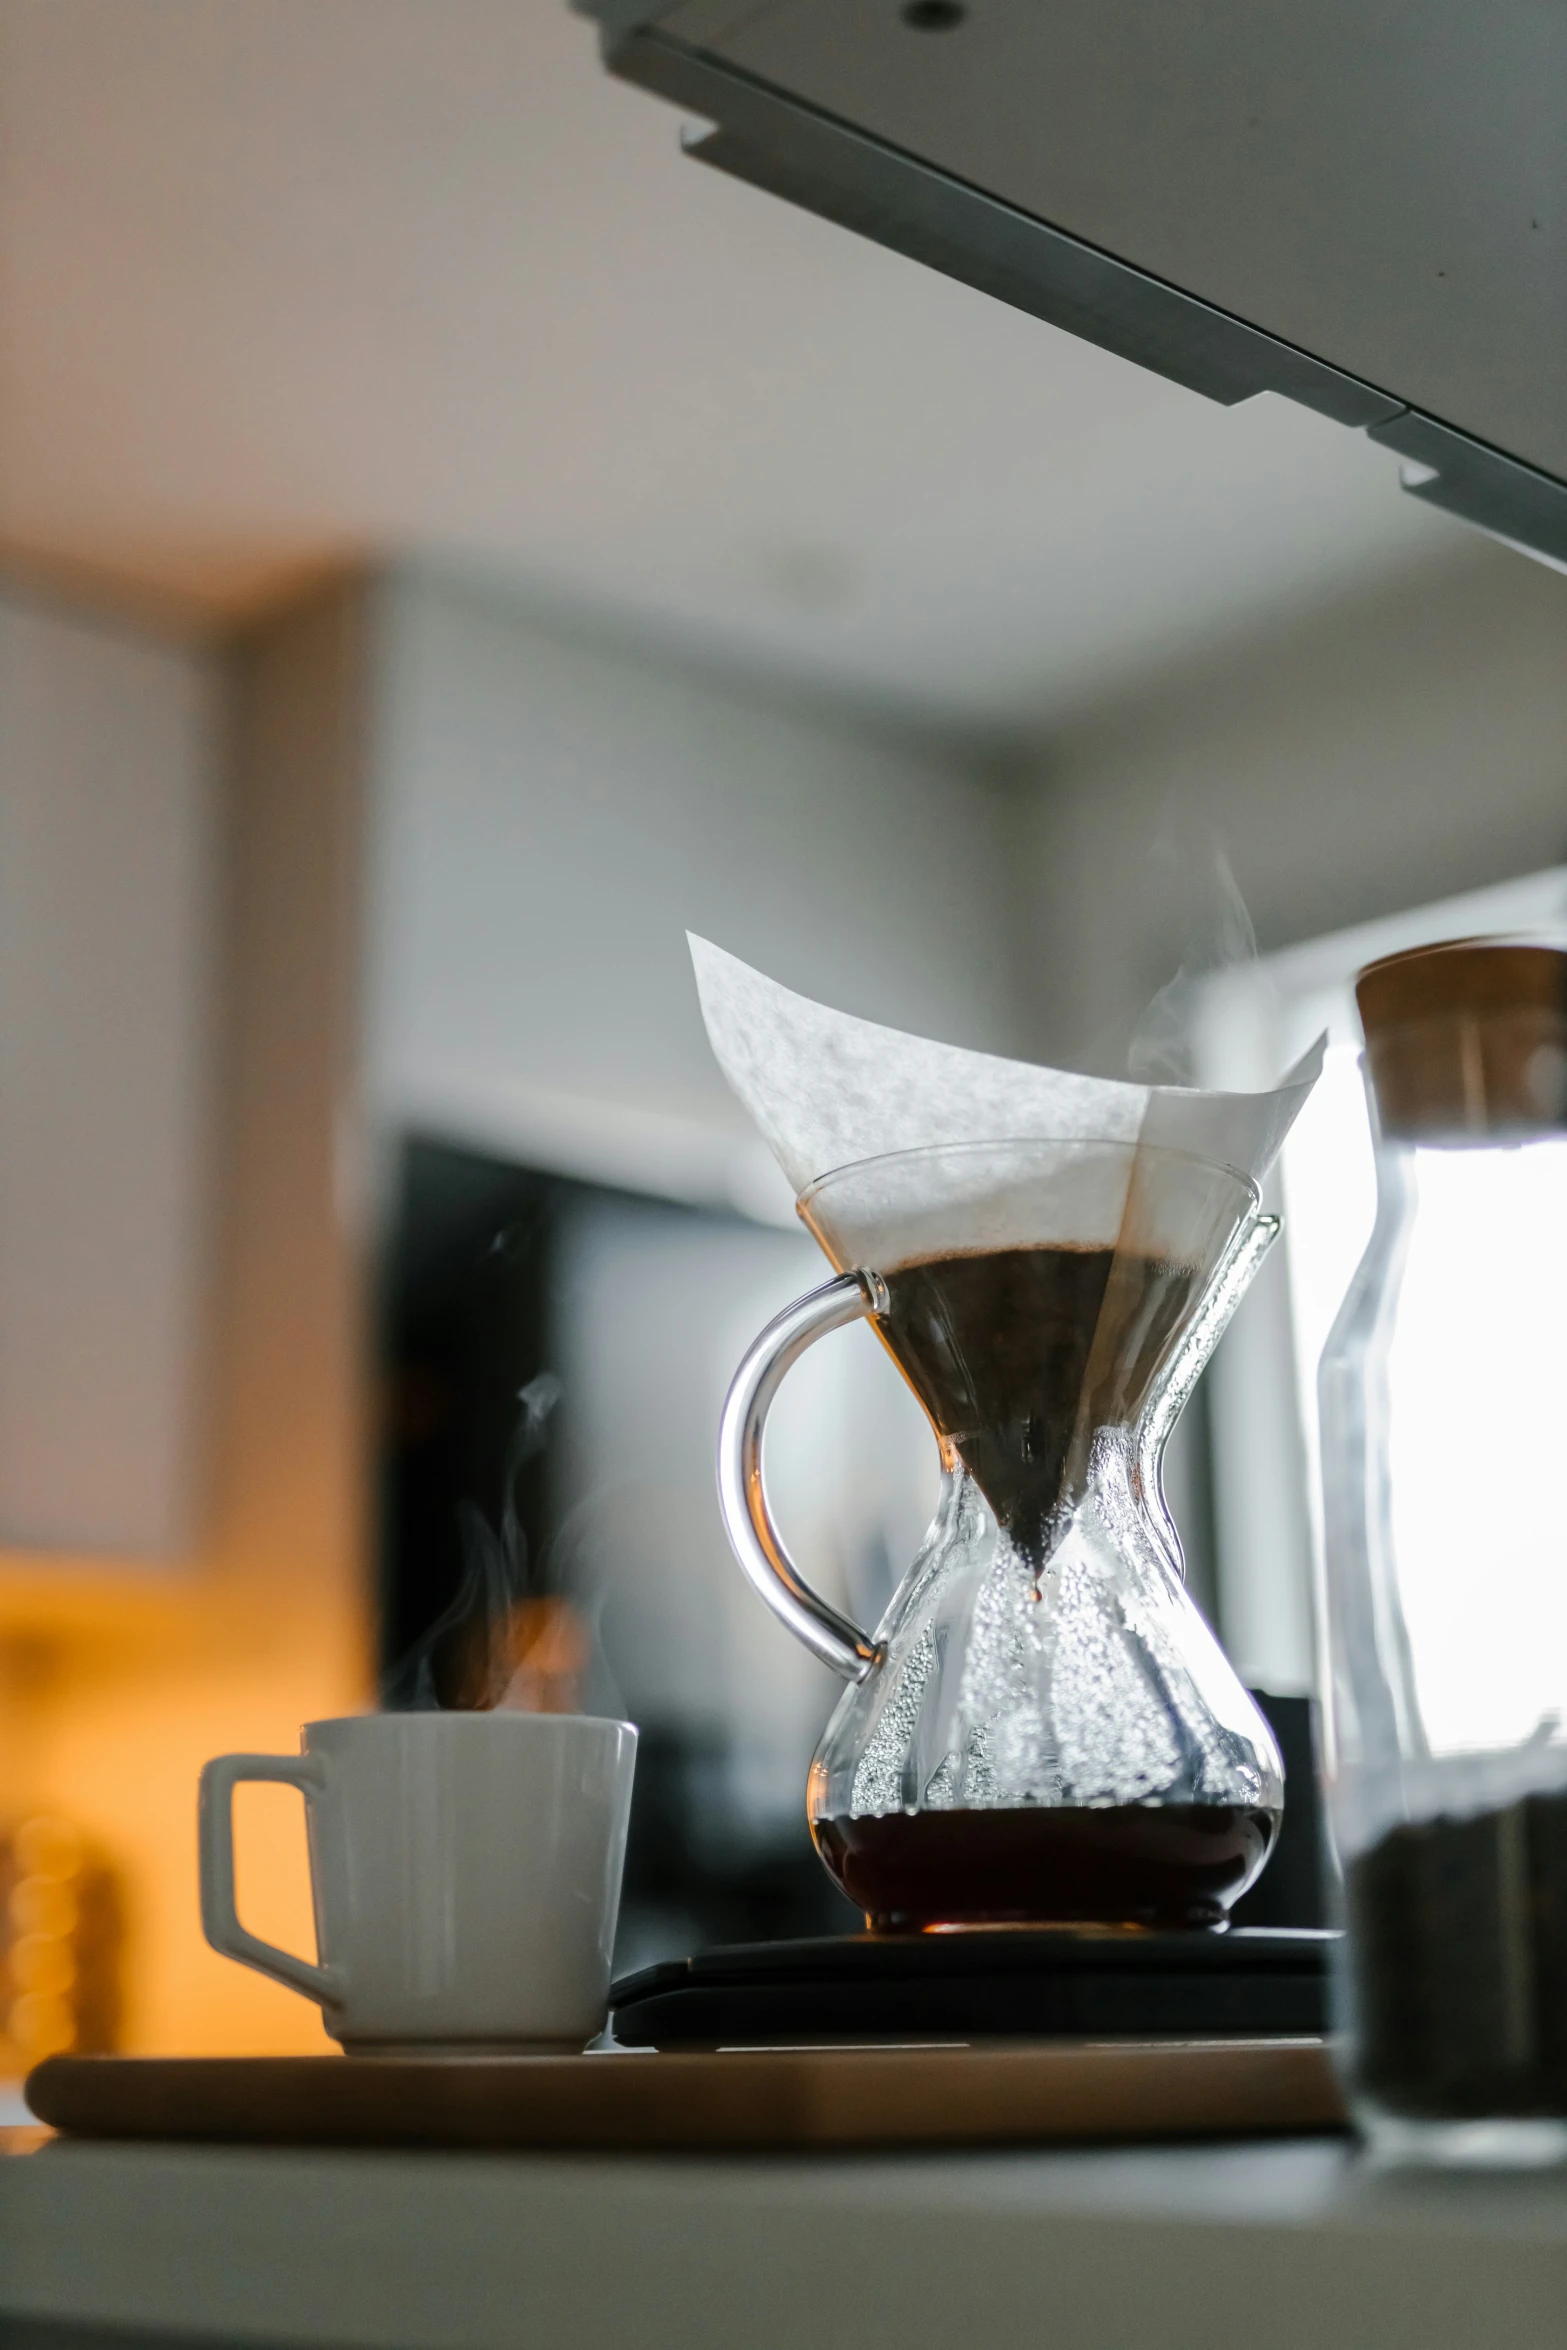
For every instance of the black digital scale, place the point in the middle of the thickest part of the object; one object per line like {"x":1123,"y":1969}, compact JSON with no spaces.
{"x":1253,"y":1982}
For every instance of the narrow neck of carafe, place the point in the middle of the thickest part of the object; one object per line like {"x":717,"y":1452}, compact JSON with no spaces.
{"x":1193,"y":1352}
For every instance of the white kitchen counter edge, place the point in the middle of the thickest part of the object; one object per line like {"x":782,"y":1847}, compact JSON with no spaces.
{"x":1277,"y":2244}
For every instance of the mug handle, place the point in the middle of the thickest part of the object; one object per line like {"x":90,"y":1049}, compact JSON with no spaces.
{"x":742,"y":1497}
{"x":215,"y":1836}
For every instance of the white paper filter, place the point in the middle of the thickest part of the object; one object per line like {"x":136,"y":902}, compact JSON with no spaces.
{"x":827,"y":1090}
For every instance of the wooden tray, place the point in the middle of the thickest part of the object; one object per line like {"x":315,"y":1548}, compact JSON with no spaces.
{"x":755,"y":2098}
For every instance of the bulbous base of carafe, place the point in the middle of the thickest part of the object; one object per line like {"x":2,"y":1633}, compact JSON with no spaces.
{"x":1145,"y":1866}
{"x":1054,"y":1736}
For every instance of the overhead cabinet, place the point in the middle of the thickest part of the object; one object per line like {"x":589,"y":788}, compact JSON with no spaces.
{"x":1364,"y":209}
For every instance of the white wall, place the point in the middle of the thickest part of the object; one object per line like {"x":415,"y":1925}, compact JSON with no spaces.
{"x":1398,"y":748}
{"x":108,"y":882}
{"x":552,"y":814}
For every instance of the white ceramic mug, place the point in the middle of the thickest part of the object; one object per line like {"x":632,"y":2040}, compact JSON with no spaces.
{"x":465,"y":1869}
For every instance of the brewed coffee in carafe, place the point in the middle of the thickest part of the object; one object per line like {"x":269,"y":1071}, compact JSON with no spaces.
{"x":1042,"y":1729}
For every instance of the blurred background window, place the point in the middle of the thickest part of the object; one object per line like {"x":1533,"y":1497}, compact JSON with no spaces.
{"x":1262,"y":1415}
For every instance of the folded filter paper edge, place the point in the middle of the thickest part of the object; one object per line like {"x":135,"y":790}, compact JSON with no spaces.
{"x":826,"y":1089}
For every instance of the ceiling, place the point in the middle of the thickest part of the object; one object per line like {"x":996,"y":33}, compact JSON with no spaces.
{"x":286,"y":281}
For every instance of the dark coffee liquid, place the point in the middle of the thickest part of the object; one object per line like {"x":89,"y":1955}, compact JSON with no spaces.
{"x":1017,"y":1354}
{"x":1135,"y":1864}
{"x":1458,"y":1945}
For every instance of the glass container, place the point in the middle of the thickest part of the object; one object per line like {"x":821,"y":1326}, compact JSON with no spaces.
{"x":1443,"y":1394}
{"x":1042,"y":1729}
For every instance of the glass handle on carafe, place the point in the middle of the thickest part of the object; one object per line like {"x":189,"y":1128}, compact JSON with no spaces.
{"x":742,"y":1496}
{"x":1208,"y":1325}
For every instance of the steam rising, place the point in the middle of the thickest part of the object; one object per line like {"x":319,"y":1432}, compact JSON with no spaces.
{"x":469,"y":1657}
{"x":1163,"y":1049}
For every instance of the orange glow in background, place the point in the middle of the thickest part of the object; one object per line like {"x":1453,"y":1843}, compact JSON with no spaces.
{"x":115,"y":1687}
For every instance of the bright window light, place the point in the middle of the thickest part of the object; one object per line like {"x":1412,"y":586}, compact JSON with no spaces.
{"x":1475,"y":1438}
{"x":1489,"y":1342}
{"x":1329,"y":1181}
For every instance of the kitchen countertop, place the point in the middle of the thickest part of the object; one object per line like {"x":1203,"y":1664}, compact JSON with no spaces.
{"x":1278,"y":2243}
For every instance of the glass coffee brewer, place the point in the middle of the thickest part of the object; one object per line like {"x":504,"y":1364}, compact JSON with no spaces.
{"x":1042,"y":1729}
{"x":1443,"y":1392}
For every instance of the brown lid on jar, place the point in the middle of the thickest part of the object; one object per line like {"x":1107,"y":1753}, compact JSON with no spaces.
{"x":1467,"y":1039}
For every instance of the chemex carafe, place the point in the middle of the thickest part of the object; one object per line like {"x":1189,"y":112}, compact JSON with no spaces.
{"x":1042,"y":1729}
